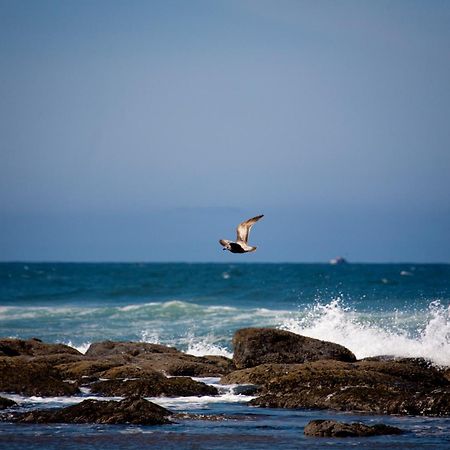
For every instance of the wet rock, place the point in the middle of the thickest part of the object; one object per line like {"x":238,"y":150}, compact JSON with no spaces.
{"x":413,"y":370}
{"x":6,"y":403}
{"x":58,"y":358}
{"x":245,"y":389}
{"x":381,"y":387}
{"x":224,"y":364}
{"x":143,"y":370}
{"x":128,"y":411}
{"x":446,"y":373}
{"x":111,"y":348}
{"x":255,"y":346}
{"x":154,"y":385}
{"x":259,"y":375}
{"x":33,"y":347}
{"x":167,"y":360}
{"x":20,"y":375}
{"x":88,"y":370}
{"x":332,"y":428}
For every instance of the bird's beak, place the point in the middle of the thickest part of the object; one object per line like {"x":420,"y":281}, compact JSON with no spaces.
{"x":224,"y":248}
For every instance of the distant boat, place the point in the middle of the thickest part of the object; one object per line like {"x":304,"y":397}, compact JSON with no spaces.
{"x":339,"y":260}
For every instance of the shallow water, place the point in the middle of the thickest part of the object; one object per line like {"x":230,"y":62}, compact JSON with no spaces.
{"x":401,"y":309}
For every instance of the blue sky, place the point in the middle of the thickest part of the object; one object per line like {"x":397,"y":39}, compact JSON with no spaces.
{"x":146,"y":130}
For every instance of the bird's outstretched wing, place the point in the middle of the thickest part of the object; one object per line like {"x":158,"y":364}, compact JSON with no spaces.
{"x":243,"y":229}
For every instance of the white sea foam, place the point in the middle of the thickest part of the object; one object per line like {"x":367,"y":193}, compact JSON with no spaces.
{"x":177,"y":403}
{"x":150,"y":337}
{"x":182,"y":403}
{"x":206,"y":346}
{"x":54,"y":401}
{"x":82,"y":348}
{"x":333,"y":322}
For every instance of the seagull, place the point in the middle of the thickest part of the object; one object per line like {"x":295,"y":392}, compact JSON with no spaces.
{"x":243,"y":231}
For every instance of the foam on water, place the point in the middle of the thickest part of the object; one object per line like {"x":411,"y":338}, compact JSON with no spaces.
{"x":199,"y":402}
{"x":51,"y":402}
{"x":196,"y":346}
{"x":206,"y":346}
{"x":226,"y":395}
{"x":422,"y":334}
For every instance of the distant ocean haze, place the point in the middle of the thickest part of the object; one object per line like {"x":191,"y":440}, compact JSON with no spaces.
{"x":302,"y":233}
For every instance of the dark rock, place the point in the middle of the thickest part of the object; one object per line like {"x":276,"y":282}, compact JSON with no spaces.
{"x":21,"y":375}
{"x":6,"y":403}
{"x":58,"y":358}
{"x":224,"y":364}
{"x":33,"y":347}
{"x":407,"y":369}
{"x":88,"y":369}
{"x":131,"y":410}
{"x":332,"y":428}
{"x":143,"y":370}
{"x":254,"y":346}
{"x":167,"y":360}
{"x":446,"y":373}
{"x":259,"y":375}
{"x":111,"y":348}
{"x":154,"y":385}
{"x":368,"y":386}
{"x":245,"y":389}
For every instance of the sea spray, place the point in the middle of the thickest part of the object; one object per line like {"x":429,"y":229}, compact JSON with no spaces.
{"x":207,"y":346}
{"x":419,"y":334}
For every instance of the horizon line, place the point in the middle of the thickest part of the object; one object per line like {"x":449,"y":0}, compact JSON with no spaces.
{"x":217,"y":262}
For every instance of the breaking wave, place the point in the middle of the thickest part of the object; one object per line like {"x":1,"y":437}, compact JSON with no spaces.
{"x":420,"y":334}
{"x":208,"y":329}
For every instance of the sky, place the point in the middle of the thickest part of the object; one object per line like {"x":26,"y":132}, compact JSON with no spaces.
{"x":147,"y":130}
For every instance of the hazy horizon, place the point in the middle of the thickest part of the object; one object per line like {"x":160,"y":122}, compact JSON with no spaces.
{"x":147,"y":130}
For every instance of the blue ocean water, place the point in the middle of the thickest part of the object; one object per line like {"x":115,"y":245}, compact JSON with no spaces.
{"x":373,"y":309}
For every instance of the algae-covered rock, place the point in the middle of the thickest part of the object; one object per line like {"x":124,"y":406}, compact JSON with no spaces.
{"x":377,"y":387}
{"x":33,"y":347}
{"x":167,"y":360}
{"x":20,"y":375}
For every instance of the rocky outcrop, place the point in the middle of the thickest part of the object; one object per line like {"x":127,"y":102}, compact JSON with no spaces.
{"x":136,"y":411}
{"x":332,"y":428}
{"x":19,"y":375}
{"x":167,"y":360}
{"x":132,"y":349}
{"x":103,"y":356}
{"x":381,"y":387}
{"x":33,"y":347}
{"x":260,"y":375}
{"x":87,"y":370}
{"x":255,"y":346}
{"x":6,"y":403}
{"x":32,"y":367}
{"x":153,"y":386}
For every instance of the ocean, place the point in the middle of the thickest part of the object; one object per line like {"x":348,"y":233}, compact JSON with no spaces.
{"x":372,"y":309}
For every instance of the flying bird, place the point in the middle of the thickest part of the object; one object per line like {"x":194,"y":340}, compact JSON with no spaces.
{"x":243,"y":231}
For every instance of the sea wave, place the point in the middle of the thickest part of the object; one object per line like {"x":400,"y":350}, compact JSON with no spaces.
{"x":423,"y":334}
{"x":201,"y":329}
{"x":167,"y":309}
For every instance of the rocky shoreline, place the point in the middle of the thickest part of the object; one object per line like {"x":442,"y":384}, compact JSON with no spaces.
{"x":283,"y":369}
